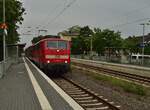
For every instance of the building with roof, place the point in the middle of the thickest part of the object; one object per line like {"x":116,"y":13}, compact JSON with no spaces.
{"x":146,"y":39}
{"x":68,"y":36}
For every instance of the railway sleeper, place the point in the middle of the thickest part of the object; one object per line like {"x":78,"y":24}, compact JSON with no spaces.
{"x":87,"y":101}
{"x":92,"y":104}
{"x":100,"y":108}
{"x":83,"y":98}
{"x":78,"y":93}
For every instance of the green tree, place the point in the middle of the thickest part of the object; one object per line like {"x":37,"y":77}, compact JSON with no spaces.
{"x":86,"y":34}
{"x":98,"y":41}
{"x":78,"y":45}
{"x":132,"y":43}
{"x":74,"y":29}
{"x":14,"y":12}
{"x":81,"y":44}
{"x":106,"y":38}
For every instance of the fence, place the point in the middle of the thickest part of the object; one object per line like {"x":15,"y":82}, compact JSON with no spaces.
{"x":5,"y":65}
{"x":114,"y":59}
{"x":11,"y":57}
{"x":1,"y":69}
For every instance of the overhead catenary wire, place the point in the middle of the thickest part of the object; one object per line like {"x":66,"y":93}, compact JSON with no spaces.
{"x":129,"y":14}
{"x":131,"y":22}
{"x":46,"y":18}
{"x":50,"y":14}
{"x":60,"y":13}
{"x":69,"y":4}
{"x":136,"y":10}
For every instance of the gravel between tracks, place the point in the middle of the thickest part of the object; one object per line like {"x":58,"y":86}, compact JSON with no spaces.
{"x":128,"y":101}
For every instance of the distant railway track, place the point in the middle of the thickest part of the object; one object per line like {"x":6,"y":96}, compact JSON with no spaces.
{"x":85,"y":97}
{"x":134,"y":77}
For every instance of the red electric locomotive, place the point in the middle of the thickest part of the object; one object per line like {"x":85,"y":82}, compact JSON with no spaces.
{"x":51,"y":54}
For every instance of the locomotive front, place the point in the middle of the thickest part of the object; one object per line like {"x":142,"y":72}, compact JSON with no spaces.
{"x":57,"y":56}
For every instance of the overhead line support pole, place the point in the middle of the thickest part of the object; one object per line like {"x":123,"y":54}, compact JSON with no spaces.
{"x":4,"y":37}
{"x":143,"y":44}
{"x":143,"y":40}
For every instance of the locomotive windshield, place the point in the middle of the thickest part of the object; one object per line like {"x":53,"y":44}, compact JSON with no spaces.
{"x":57,"y":44}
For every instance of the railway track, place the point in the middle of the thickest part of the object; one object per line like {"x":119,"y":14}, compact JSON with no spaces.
{"x":85,"y":97}
{"x":138,"y":78}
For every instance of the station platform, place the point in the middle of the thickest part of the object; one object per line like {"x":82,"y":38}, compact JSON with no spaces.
{"x":25,"y":87}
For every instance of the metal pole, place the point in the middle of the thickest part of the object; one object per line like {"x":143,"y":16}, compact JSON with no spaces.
{"x":143,"y":44}
{"x":143,"y":40}
{"x":38,"y":33}
{"x":91,"y":46}
{"x":4,"y":43}
{"x":17,"y":51}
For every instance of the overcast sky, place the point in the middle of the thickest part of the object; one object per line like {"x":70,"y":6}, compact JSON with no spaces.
{"x":122,"y":15}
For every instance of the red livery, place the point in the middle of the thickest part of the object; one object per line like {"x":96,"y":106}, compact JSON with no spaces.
{"x":51,"y":54}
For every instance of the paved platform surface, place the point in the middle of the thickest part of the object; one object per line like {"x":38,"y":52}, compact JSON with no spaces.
{"x":17,"y":92}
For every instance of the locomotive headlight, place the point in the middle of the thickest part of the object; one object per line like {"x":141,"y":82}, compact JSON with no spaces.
{"x":48,"y":61}
{"x":66,"y":61}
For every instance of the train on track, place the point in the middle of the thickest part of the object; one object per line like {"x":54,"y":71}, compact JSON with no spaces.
{"x":52,"y":55}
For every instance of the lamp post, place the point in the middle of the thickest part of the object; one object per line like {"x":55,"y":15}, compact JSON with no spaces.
{"x":143,"y":40}
{"x":91,"y":46}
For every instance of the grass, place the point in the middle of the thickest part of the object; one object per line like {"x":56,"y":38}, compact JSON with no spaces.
{"x":130,"y":87}
{"x":127,"y":86}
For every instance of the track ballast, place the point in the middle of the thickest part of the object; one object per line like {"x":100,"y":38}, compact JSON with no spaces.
{"x":88,"y":99}
{"x":134,"y":77}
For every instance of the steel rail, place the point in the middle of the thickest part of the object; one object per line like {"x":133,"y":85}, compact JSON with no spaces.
{"x":135,"y":77}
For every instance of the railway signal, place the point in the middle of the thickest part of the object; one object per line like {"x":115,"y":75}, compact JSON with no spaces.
{"x":3,"y":26}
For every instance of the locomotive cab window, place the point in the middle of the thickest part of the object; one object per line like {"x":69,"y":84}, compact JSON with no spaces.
{"x":62,"y":44}
{"x":52,"y":44}
{"x":57,"y":44}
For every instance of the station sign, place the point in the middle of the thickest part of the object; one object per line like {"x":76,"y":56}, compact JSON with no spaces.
{"x":142,"y":45}
{"x":3,"y":28}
